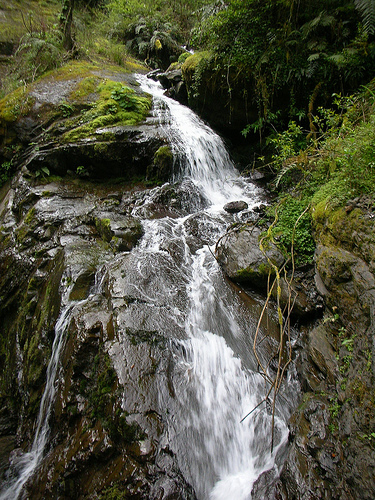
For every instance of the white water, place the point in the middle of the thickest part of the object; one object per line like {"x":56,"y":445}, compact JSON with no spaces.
{"x":213,"y":390}
{"x":202,"y":152}
{"x":26,"y":464}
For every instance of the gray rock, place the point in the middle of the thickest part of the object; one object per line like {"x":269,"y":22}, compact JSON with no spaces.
{"x":241,"y":258}
{"x":234,"y":207}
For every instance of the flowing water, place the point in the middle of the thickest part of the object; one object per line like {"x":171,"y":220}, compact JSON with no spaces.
{"x":180,"y":291}
{"x":26,"y":464}
{"x":215,"y":382}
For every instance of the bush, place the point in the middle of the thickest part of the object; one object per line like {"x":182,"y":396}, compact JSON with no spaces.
{"x":288,"y":233}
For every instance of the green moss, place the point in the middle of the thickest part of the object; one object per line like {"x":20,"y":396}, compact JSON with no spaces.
{"x":293,"y":228}
{"x":251,"y":274}
{"x":16,"y":104}
{"x":101,"y":147}
{"x":150,"y":337}
{"x":246,"y":274}
{"x":116,"y":105}
{"x":163,"y":156}
{"x":104,"y":229}
{"x":26,"y":229}
{"x":115,"y":492}
{"x":191,"y":64}
{"x":84,"y":88}
{"x":72,"y":70}
{"x":162,"y":165}
{"x":30,"y":216}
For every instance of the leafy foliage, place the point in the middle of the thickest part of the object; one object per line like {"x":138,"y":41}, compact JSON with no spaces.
{"x":367,"y":10}
{"x":286,"y":55}
{"x":5,"y":171}
{"x":293,"y":228}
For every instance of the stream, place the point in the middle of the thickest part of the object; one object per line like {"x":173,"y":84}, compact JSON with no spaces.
{"x":173,"y":286}
{"x":215,"y":379}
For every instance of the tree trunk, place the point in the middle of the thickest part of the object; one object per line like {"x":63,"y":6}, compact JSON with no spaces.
{"x":66,"y":24}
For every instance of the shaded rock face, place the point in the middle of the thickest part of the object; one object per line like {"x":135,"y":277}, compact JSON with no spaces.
{"x":331,"y":452}
{"x":107,"y":433}
{"x":172,"y":81}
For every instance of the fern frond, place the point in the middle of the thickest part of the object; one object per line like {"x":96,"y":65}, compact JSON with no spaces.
{"x":287,"y":167}
{"x":366,"y":9}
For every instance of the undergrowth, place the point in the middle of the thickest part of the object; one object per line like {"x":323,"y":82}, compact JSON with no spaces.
{"x":323,"y":173}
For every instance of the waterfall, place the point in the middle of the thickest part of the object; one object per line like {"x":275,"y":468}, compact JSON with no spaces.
{"x":200,"y":150}
{"x":26,"y":464}
{"x":173,"y":286}
{"x":215,"y":383}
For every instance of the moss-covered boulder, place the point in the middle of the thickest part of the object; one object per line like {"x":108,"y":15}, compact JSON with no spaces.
{"x":82,"y":119}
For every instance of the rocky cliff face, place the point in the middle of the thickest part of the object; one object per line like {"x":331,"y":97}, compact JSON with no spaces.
{"x":332,"y":451}
{"x":59,"y":224}
{"x":106,"y":427}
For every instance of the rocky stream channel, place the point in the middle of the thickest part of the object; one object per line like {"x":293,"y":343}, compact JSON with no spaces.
{"x":126,"y":359}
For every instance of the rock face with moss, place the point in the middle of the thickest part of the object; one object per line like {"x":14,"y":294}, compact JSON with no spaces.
{"x":107,"y":430}
{"x":84,"y":119}
{"x":332,"y":431}
{"x":60,"y":224}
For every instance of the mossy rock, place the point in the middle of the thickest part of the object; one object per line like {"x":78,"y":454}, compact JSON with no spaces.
{"x":240,"y":255}
{"x":104,"y":229}
{"x":72,"y":103}
{"x":82,"y":285}
{"x":162,"y":166}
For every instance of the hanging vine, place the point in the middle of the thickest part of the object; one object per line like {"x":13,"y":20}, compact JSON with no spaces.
{"x":284,"y":323}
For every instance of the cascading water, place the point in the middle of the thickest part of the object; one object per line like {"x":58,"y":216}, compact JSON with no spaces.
{"x":25,"y":465}
{"x":171,"y":284}
{"x":214,"y":384}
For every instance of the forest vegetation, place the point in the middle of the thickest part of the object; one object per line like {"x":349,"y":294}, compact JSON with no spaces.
{"x":306,"y":68}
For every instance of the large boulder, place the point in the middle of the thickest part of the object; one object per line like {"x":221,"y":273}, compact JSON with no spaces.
{"x":83,"y":120}
{"x":241,"y":258}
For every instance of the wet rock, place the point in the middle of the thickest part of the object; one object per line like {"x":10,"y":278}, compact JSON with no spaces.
{"x":306,"y":300}
{"x":170,"y":77}
{"x":242,"y":260}
{"x":234,"y":207}
{"x":122,"y":233}
{"x":82,"y":285}
{"x":125,"y":158}
{"x":106,"y":425}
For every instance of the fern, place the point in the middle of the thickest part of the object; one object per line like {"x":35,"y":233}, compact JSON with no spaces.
{"x":366,"y":9}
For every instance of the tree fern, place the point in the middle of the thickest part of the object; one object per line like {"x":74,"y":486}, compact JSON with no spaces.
{"x":367,"y":10}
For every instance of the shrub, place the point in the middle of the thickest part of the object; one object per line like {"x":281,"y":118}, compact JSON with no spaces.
{"x":287,"y":232}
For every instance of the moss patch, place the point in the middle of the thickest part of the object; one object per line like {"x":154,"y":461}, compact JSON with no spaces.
{"x":104,"y":229}
{"x":16,"y":104}
{"x":251,"y":274}
{"x":117,"y":104}
{"x":191,"y":64}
